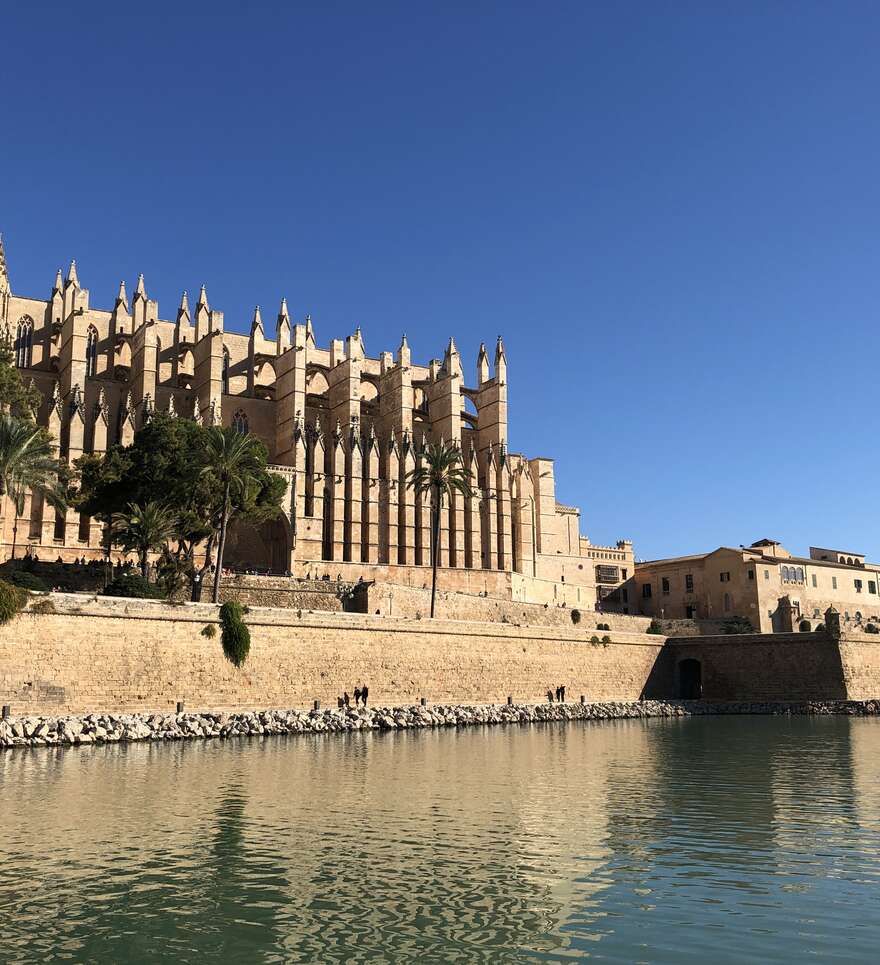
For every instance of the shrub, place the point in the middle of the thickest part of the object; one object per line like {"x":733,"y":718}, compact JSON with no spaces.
{"x":804,"y":626}
{"x":235,"y":635}
{"x":871,"y":628}
{"x":44,"y":606}
{"x":737,"y":625}
{"x":29,"y":581}
{"x":575,"y":617}
{"x":654,"y":627}
{"x":134,"y":585}
{"x":210,"y":631}
{"x":602,"y":626}
{"x":595,"y":640}
{"x":606,"y":640}
{"x":820,"y":628}
{"x":12,"y":600}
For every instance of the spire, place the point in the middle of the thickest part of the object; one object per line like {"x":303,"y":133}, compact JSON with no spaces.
{"x":140,"y":291}
{"x":450,"y":348}
{"x":500,"y":362}
{"x":122,"y":297}
{"x":257,"y":323}
{"x":4,"y":272}
{"x":203,"y":298}
{"x":403,"y":355}
{"x":482,"y":365}
{"x":183,"y":311}
{"x":72,"y":278}
{"x":59,"y":282}
{"x":310,"y":332}
{"x":282,"y":327}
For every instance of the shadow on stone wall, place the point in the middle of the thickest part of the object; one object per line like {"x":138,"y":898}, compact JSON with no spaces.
{"x":750,"y":667}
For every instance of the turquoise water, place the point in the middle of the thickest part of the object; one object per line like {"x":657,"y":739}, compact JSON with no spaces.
{"x":722,"y":840}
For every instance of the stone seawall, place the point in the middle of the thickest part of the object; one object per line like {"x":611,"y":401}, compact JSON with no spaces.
{"x":105,"y":655}
{"x":113,"y":728}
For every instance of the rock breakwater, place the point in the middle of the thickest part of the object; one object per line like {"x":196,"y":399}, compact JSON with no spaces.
{"x":114,"y":728}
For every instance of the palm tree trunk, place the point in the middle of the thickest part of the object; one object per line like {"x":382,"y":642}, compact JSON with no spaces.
{"x":435,"y":549}
{"x":224,"y":520}
{"x":143,"y":556}
{"x":14,"y":533}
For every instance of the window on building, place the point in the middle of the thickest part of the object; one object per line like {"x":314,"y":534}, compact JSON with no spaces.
{"x":665,"y":586}
{"x":225,"y":373}
{"x":815,"y":612}
{"x":814,"y":579}
{"x":726,"y":602}
{"x":858,"y":585}
{"x":91,"y":352}
{"x":799,"y":574}
{"x":689,"y":583}
{"x":833,"y":582}
{"x":24,"y":342}
{"x":766,"y":574}
{"x":240,"y":422}
{"x":872,"y":586}
{"x":725,"y":577}
{"x":646,"y":590}
{"x":623,"y":574}
{"x":751,"y":574}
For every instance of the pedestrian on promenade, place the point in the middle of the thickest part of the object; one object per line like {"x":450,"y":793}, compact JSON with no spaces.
{"x":562,"y":691}
{"x":549,"y":696}
{"x":357,"y":696}
{"x":347,"y":699}
{"x":364,"y":692}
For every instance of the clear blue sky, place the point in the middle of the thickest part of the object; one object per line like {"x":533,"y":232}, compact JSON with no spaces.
{"x":670,"y":211}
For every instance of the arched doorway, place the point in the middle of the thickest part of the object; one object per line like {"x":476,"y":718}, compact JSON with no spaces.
{"x":263,"y":549}
{"x":690,"y":679}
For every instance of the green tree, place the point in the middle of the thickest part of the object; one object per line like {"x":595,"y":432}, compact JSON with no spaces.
{"x":27,"y":461}
{"x":16,"y":398}
{"x":238,"y":463}
{"x":439,"y":474}
{"x":142,"y":529}
{"x":168,"y":461}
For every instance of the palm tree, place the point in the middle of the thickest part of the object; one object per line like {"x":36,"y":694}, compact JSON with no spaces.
{"x":440,"y":473}
{"x":236,"y":462}
{"x":142,"y":528}
{"x":27,"y":461}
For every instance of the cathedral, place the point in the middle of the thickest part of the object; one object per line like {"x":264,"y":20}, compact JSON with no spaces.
{"x":342,"y":427}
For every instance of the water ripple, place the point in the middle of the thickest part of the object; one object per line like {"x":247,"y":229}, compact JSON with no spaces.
{"x":733,"y":839}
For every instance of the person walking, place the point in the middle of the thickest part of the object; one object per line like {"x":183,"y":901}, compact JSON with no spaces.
{"x":549,"y":696}
{"x":347,"y":700}
{"x":357,"y":696}
{"x":365,"y":690}
{"x":562,"y":691}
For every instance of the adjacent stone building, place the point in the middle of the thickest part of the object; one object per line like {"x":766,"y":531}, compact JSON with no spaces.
{"x":343,"y":427}
{"x":763,"y":583}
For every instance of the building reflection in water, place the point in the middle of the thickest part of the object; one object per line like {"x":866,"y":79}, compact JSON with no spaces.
{"x":471,"y":845}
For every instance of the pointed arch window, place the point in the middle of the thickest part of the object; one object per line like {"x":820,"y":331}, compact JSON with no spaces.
{"x":240,"y":422}
{"x":91,"y":352}
{"x":225,"y":375}
{"x":24,"y":342}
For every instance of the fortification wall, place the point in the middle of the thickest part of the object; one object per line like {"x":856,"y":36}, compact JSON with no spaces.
{"x":268,"y":591}
{"x":759,"y":667}
{"x":124,"y":655}
{"x":394,"y":599}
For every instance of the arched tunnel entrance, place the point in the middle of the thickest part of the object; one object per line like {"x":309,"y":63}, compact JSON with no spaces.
{"x":263,"y":549}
